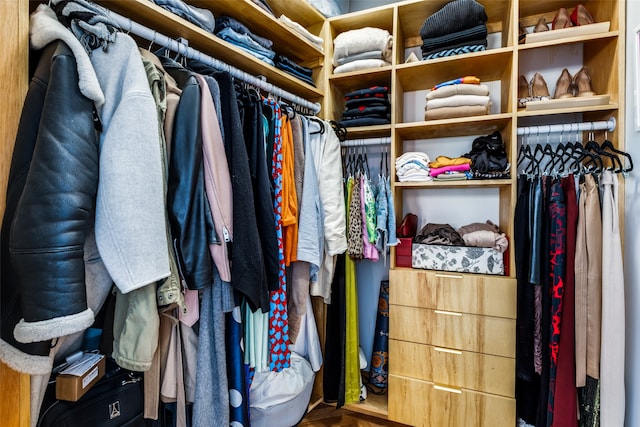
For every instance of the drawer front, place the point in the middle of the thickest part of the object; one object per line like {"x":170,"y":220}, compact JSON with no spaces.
{"x":425,"y":404}
{"x":466,"y":293}
{"x":463,"y":369}
{"x":459,"y":331}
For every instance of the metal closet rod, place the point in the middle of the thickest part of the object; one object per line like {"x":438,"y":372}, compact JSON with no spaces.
{"x":608,"y":125}
{"x":368,"y":141}
{"x":126,"y":24}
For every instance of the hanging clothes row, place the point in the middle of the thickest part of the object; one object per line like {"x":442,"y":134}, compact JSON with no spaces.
{"x":212,"y":208}
{"x":570,"y":323}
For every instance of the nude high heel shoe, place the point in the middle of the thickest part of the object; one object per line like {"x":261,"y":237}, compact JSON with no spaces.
{"x":564,"y":86}
{"x":561,"y":20}
{"x":541,"y":26}
{"x":581,"y":16}
{"x":582,"y":80}
{"x":539,"y":87}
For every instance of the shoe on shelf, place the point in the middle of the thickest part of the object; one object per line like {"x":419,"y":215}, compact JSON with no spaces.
{"x":564,"y":86}
{"x":539,"y":89}
{"x":522,"y":33}
{"x":541,"y":26}
{"x":524,"y":90}
{"x":561,"y":20}
{"x":581,"y":16}
{"x":582,"y":81}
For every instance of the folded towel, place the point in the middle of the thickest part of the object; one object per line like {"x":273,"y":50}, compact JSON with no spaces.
{"x":455,"y":112}
{"x":313,"y":39}
{"x":362,"y":64}
{"x":457,"y":101}
{"x":373,"y":54}
{"x":461,"y":89}
{"x":479,"y":32}
{"x":361,"y":40}
{"x":454,"y":16}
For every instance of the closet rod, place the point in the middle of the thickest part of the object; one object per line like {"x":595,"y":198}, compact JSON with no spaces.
{"x":126,"y":24}
{"x":608,"y":125}
{"x":367,"y":141}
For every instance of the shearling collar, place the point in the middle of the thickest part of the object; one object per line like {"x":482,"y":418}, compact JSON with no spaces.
{"x":44,"y":29}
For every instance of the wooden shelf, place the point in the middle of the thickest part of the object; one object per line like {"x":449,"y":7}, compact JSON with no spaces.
{"x":299,"y":11}
{"x":379,"y":17}
{"x":470,"y":183}
{"x":347,"y":82}
{"x":152,"y":16}
{"x":465,"y":126}
{"x":375,"y":405}
{"x":493,"y":64}
{"x":608,"y":107}
{"x":368,"y":131}
{"x":568,"y":40}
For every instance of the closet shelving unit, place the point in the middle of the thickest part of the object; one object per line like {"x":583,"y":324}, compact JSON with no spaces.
{"x":452,"y":336}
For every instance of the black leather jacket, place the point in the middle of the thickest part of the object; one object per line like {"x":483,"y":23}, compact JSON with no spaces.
{"x":51,"y":194}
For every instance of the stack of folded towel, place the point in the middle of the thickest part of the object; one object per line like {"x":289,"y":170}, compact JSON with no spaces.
{"x":462,"y":97}
{"x":203,"y":18}
{"x":240,"y":36}
{"x":288,"y":66}
{"x":413,"y":166}
{"x":362,"y":49}
{"x":367,"y":107}
{"x":459,"y":27}
{"x":450,"y":169}
{"x":312,"y":38}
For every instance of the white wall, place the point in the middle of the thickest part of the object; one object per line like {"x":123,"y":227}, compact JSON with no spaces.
{"x":632,"y":227}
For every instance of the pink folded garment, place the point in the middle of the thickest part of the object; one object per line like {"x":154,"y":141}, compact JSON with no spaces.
{"x":453,"y":168}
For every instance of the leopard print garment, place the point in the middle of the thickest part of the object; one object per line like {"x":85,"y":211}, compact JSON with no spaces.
{"x":355,"y":244}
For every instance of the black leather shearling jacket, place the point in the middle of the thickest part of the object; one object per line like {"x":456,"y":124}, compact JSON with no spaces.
{"x":51,"y":193}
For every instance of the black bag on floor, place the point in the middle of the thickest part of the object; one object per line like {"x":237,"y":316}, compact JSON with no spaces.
{"x":116,"y":400}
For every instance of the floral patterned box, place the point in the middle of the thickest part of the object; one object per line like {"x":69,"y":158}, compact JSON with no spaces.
{"x":462,"y":259}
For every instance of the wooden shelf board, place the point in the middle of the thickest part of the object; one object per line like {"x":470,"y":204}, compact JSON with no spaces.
{"x":464,"y":126}
{"x":608,"y":107}
{"x":152,"y":16}
{"x":493,"y":64}
{"x":347,"y":82}
{"x":470,"y":183}
{"x":261,"y":23}
{"x":368,"y":131}
{"x":568,"y":40}
{"x":378,"y":17}
{"x":299,"y":11}
{"x":375,"y":405}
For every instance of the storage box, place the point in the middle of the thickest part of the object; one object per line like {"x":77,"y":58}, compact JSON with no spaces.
{"x":77,"y":378}
{"x":463,"y":259}
{"x":403,"y":252}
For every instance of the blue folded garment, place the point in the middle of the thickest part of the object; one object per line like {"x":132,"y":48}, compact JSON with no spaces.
{"x":246,"y":42}
{"x":227,"y":21}
{"x":203,"y":18}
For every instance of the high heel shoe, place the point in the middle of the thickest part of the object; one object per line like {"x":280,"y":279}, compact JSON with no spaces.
{"x":541,"y":26}
{"x":539,"y":87}
{"x":564,"y":86}
{"x":561,"y":20}
{"x":582,"y":80}
{"x":524,"y":91}
{"x":522,"y":33}
{"x":581,"y":16}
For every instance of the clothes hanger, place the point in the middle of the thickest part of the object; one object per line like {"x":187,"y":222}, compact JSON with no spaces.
{"x":608,"y":145}
{"x":320,"y":122}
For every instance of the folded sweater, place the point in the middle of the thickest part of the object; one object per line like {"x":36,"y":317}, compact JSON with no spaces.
{"x":457,"y":101}
{"x":453,"y":168}
{"x":372,"y":54}
{"x":461,"y":89}
{"x":361,"y":64}
{"x":442,"y":161}
{"x":479,"y":32}
{"x":454,"y":16}
{"x":313,"y":39}
{"x":456,"y":112}
{"x":362,"y":40}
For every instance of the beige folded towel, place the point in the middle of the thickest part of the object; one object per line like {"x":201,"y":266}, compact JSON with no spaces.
{"x":460,"y":89}
{"x":454,"y":112}
{"x":457,"y":101}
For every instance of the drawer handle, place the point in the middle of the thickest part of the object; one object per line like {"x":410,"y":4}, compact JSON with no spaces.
{"x":449,"y":276}
{"x":447,"y":350}
{"x":448,"y":313}
{"x":447,"y":389}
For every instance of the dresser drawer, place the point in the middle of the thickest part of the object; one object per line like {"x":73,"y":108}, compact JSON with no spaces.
{"x":460,"y":331}
{"x":464,"y":369}
{"x":466,"y":293}
{"x":426,"y":404}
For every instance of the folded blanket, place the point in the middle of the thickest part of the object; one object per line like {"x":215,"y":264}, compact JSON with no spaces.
{"x":452,"y":168}
{"x":455,"y":112}
{"x":454,"y":16}
{"x":362,"y":64}
{"x":361,"y":40}
{"x":461,"y":89}
{"x":479,"y":32}
{"x":373,"y":54}
{"x":456,"y":51}
{"x":313,"y":39}
{"x":457,"y":101}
